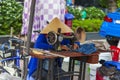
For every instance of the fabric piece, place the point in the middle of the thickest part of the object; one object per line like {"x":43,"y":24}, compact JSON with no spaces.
{"x":87,"y":48}
{"x":45,"y":10}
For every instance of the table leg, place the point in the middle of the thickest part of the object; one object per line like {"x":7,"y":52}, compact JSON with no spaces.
{"x":82,"y":69}
{"x":70,"y":63}
{"x":50,"y":75}
{"x":71,"y":67}
{"x":39,"y":70}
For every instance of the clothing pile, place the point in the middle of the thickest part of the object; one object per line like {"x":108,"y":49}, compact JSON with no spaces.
{"x":88,"y":48}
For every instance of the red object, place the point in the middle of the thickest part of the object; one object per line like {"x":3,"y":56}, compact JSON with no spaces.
{"x":106,"y":18}
{"x":115,"y":53}
{"x":98,"y":76}
{"x":68,"y":23}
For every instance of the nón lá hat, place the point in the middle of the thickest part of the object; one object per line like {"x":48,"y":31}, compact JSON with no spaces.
{"x":56,"y":24}
{"x":80,"y":34}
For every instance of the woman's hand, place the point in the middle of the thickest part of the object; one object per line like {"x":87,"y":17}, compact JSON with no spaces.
{"x":75,"y":46}
{"x":64,"y":47}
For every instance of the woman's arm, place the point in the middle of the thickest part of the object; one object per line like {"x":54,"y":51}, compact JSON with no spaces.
{"x":41,"y":43}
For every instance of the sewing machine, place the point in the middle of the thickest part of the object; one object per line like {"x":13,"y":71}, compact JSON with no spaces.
{"x":56,"y":38}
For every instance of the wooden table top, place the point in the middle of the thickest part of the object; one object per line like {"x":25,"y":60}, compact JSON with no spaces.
{"x":91,"y":58}
{"x":66,"y":54}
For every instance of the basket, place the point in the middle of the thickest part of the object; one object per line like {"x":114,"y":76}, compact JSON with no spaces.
{"x":115,"y":53}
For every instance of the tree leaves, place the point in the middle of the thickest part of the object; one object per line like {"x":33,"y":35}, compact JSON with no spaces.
{"x":11,"y":16}
{"x":87,"y":24}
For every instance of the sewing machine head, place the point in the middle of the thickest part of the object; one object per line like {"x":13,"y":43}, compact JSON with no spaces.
{"x":56,"y":38}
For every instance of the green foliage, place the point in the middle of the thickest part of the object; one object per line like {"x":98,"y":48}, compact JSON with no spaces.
{"x":89,"y":25}
{"x":118,"y":3}
{"x":92,"y":13}
{"x":103,"y":3}
{"x":75,"y":12}
{"x":11,"y":16}
{"x":92,"y":22}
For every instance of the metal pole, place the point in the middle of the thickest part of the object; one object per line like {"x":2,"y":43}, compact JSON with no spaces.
{"x":32,"y":9}
{"x":30,"y":25}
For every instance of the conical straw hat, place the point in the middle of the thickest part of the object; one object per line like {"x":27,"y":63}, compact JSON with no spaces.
{"x":80,"y":34}
{"x":54,"y":25}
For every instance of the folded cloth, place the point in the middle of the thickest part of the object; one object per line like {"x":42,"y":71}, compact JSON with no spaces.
{"x":88,"y":48}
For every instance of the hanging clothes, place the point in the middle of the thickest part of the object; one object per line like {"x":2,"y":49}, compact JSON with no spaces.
{"x":45,"y":11}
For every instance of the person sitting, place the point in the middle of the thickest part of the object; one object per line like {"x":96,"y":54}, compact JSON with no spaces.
{"x":42,"y":43}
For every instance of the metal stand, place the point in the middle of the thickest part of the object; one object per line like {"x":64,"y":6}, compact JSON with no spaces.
{"x":71,"y":72}
{"x":50,"y":70}
{"x":39,"y":70}
{"x":82,"y":68}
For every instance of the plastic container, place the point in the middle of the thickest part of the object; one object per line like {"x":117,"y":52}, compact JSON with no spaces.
{"x":105,"y":56}
{"x":68,"y":19}
{"x":115,"y":53}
